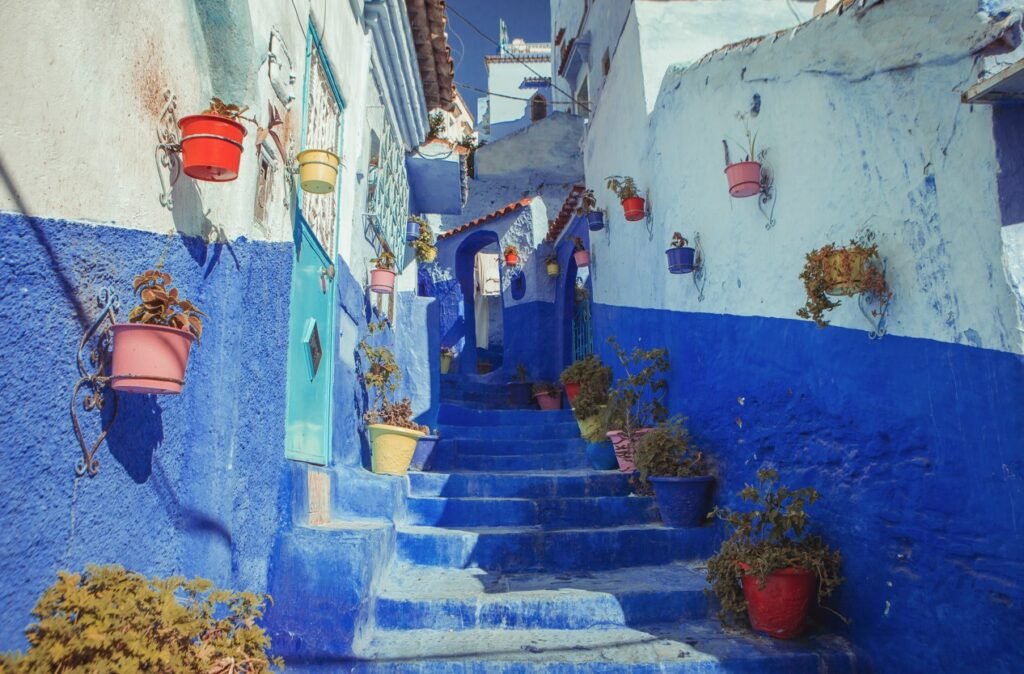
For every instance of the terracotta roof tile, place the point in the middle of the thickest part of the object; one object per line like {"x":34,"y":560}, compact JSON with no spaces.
{"x":565,"y":215}
{"x":504,"y":210}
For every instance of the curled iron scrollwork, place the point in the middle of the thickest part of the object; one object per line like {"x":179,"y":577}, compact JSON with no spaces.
{"x":93,"y":360}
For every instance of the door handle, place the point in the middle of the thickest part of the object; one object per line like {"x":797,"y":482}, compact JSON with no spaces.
{"x":325,"y":274}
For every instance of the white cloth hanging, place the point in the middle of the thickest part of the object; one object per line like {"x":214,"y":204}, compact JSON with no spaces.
{"x":488,"y":274}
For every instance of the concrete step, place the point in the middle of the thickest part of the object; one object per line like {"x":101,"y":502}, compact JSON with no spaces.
{"x":418,"y":597}
{"x":514,"y":549}
{"x":550,"y":513}
{"x":506,"y":447}
{"x":458,"y":415}
{"x":545,"y":431}
{"x":505,"y":463}
{"x":549,"y":484}
{"x":692,"y":647}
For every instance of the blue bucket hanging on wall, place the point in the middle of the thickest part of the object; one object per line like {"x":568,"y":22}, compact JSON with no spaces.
{"x":412,"y":230}
{"x":680,"y":260}
{"x":595,"y":220}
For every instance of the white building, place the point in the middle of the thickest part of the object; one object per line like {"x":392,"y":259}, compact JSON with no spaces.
{"x":519,"y":86}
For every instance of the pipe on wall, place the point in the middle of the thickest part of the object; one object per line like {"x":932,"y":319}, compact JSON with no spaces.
{"x":392,"y":38}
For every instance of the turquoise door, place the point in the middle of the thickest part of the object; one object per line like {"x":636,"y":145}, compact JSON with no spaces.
{"x":311,"y":333}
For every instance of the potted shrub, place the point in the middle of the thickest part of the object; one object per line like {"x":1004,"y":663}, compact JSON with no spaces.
{"x":393,"y":433}
{"x":151,"y":350}
{"x":423,"y":456}
{"x":447,"y":355}
{"x":590,"y":378}
{"x":211,"y":142}
{"x":109,"y":619}
{"x":318,"y":170}
{"x":423,"y":242}
{"x":830,"y":271}
{"x":580,"y":253}
{"x":744,"y":176}
{"x":552,"y":266}
{"x":547,"y":395}
{"x":588,"y":209}
{"x":768,"y":567}
{"x":678,"y":472}
{"x":382,"y":276}
{"x":511,"y":256}
{"x":632,"y":203}
{"x":681,"y":256}
{"x":636,"y":401}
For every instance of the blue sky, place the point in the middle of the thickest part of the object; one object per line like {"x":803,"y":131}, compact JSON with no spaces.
{"x":528,"y":19}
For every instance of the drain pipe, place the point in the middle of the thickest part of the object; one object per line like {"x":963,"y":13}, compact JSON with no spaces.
{"x":392,"y":38}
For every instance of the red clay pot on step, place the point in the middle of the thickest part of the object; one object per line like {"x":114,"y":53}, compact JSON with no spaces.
{"x":633,"y":208}
{"x":548,"y":402}
{"x":211,"y":147}
{"x":572,"y":389}
{"x":744,"y":178}
{"x":780,"y":608}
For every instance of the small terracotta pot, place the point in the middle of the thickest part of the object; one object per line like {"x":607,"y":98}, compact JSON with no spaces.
{"x":744,"y":178}
{"x":779,"y":609}
{"x":149,"y":358}
{"x":382,"y":281}
{"x":572,"y":389}
{"x":633,"y":208}
{"x":511,"y":259}
{"x":582,"y":258}
{"x":548,"y":402}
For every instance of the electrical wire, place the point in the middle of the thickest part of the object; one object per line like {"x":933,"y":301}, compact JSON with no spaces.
{"x":492,"y":93}
{"x":514,"y":57}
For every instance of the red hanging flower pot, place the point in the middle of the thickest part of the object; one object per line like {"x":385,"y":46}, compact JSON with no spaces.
{"x":211,"y":147}
{"x":511,"y":259}
{"x":633,"y":208}
{"x":780,"y":608}
{"x":572,"y":389}
{"x":744,"y":178}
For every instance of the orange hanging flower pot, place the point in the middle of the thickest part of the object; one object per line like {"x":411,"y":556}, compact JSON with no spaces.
{"x":211,"y":147}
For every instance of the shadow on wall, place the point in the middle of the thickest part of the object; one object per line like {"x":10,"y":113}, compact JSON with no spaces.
{"x":137,"y":433}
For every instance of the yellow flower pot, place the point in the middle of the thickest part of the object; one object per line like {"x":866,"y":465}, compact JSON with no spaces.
{"x":553,"y":269}
{"x":392,"y":448}
{"x":844,"y":271}
{"x":590,"y":428}
{"x":446,"y":363}
{"x":318,"y":171}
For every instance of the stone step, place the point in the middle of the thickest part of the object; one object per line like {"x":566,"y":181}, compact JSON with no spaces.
{"x":500,"y":447}
{"x":564,"y":460}
{"x":549,"y":484}
{"x":457,"y":415}
{"x":514,"y":549}
{"x":544,"y":431}
{"x":418,"y":597}
{"x":700,"y":646}
{"x":551,"y":513}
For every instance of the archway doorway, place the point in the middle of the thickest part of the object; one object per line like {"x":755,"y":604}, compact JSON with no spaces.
{"x":479,"y":272}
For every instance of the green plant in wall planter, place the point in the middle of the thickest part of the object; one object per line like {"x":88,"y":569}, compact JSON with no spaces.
{"x":586,"y":384}
{"x":580,"y":253}
{"x":769,"y":567}
{"x":678,"y":472}
{"x":832,"y":271}
{"x":633,"y":205}
{"x":112,"y":620}
{"x":637,"y":399}
{"x":382,"y":276}
{"x":423,"y":244}
{"x":745,"y":177}
{"x":588,"y":209}
{"x":151,"y":351}
{"x":393,"y":433}
{"x":511,"y":255}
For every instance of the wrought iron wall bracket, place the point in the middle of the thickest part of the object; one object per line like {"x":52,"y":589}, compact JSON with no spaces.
{"x":168,"y":150}
{"x":698,"y":266}
{"x":767,"y":195}
{"x":93,"y":366}
{"x":875,"y":315}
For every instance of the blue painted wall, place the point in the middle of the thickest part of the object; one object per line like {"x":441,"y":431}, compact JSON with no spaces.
{"x":190,"y":484}
{"x":917,"y":447}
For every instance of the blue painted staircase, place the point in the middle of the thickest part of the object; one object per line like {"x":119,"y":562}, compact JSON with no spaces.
{"x":515,"y":557}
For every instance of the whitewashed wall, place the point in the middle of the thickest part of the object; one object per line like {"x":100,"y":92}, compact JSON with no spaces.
{"x":863,"y":124}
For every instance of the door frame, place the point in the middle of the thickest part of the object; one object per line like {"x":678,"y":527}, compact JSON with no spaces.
{"x":303,"y":234}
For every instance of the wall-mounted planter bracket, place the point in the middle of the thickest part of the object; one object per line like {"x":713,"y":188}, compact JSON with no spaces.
{"x":93,"y":370}
{"x":168,"y":149}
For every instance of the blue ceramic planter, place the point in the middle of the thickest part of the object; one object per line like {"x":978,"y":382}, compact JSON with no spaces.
{"x":680,"y":260}
{"x":683,"y":501}
{"x":595,"y":220}
{"x":412,"y":231}
{"x":423,"y":457}
{"x":602,"y":456}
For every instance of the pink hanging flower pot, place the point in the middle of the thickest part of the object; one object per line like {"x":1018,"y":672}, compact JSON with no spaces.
{"x":149,"y":358}
{"x":382,"y":276}
{"x":744,"y":178}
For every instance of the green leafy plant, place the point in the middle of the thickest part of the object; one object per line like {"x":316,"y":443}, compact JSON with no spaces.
{"x":642,"y":389}
{"x":577,"y":243}
{"x":161,"y":304}
{"x":624,"y":187}
{"x":382,"y":376}
{"x":666,"y":451}
{"x":588,"y":203}
{"x":511,"y":250}
{"x":469,"y":143}
{"x":437,"y":124}
{"x":768,"y":537}
{"x":678,"y":241}
{"x":423,"y":244}
{"x":386,"y":260}
{"x":546,"y":388}
{"x":109,"y":619}
{"x":747,"y":148}
{"x":831,"y":270}
{"x":226,"y":110}
{"x":594,"y":379}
